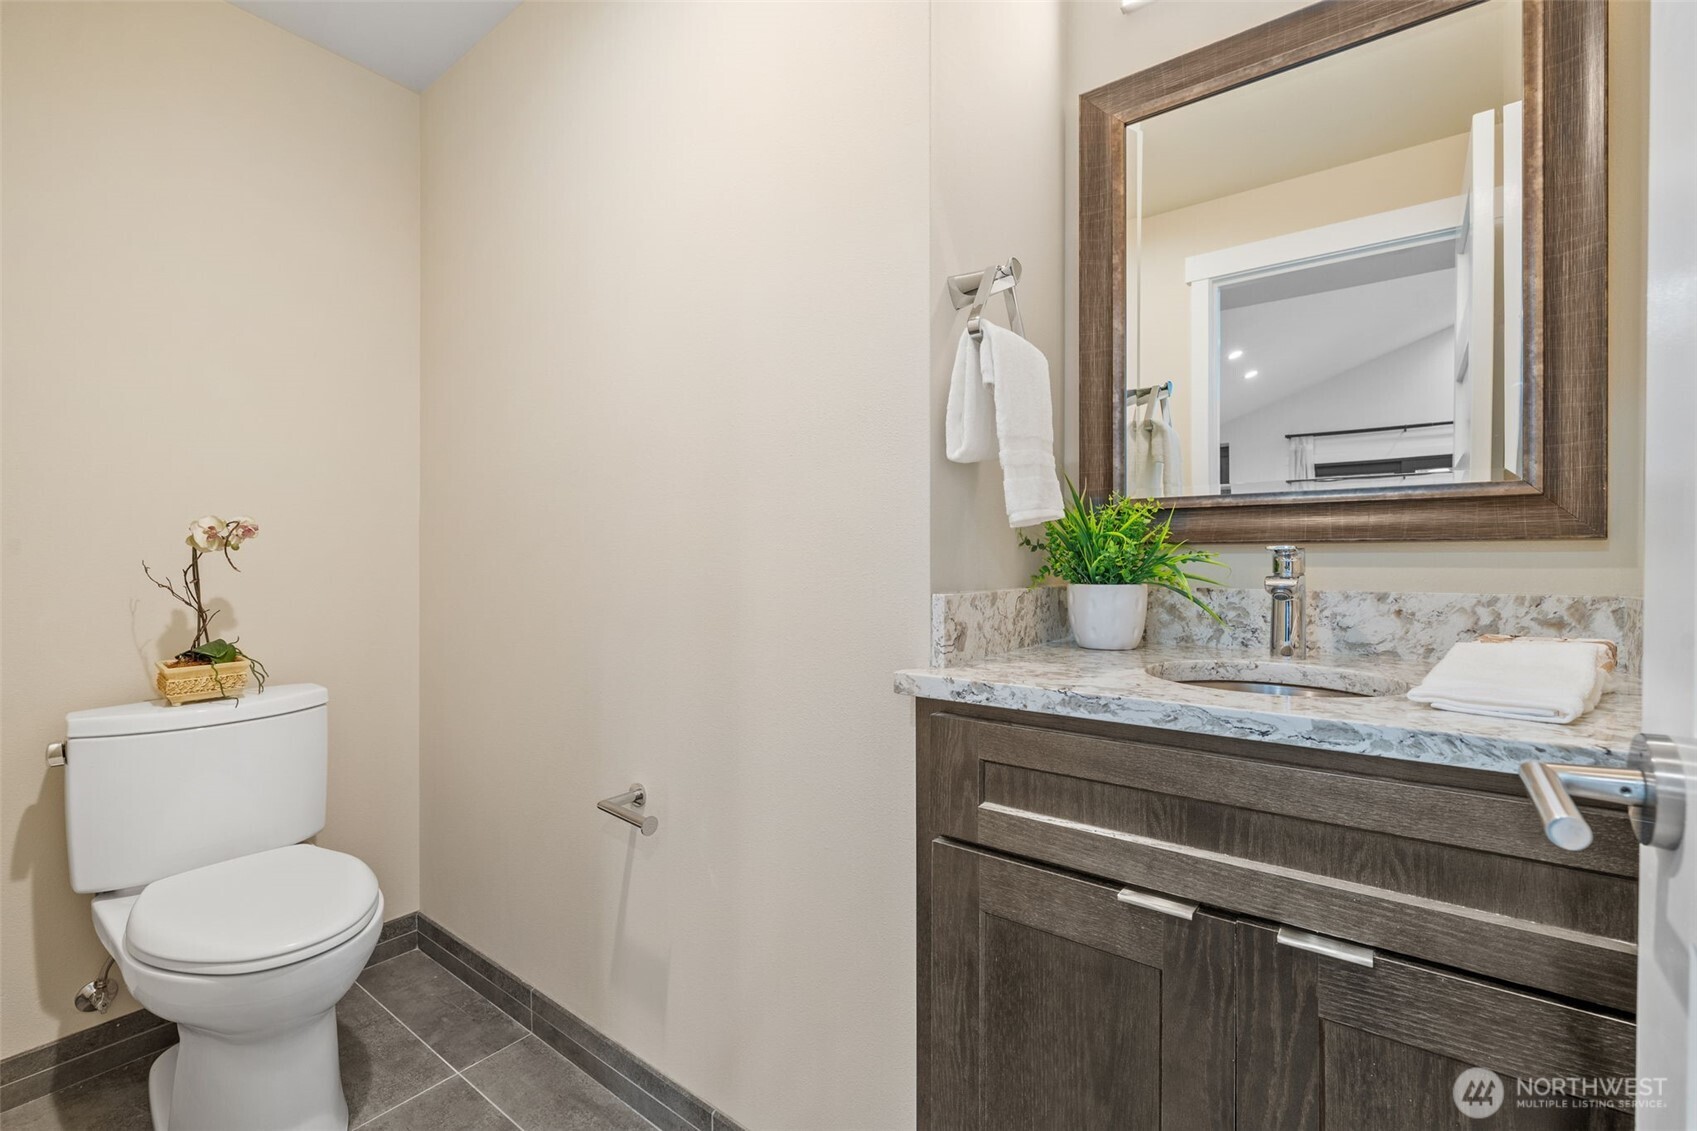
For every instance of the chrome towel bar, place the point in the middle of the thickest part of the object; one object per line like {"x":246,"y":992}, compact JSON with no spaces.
{"x":629,"y":808}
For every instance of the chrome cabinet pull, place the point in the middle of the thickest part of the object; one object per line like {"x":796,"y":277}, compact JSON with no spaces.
{"x":1651,"y":789}
{"x":1177,"y":908}
{"x":1326,"y":946}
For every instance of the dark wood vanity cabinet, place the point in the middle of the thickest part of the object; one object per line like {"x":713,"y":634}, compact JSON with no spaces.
{"x":1062,"y":986}
{"x":1328,"y":1044}
{"x":1051,"y":1006}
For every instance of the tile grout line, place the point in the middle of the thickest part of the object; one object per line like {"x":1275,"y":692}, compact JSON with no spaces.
{"x":403,"y":1103}
{"x":491,"y":1102}
{"x":530,"y":1031}
{"x":529,"y":1005}
{"x":481,"y":1059}
{"x":85,"y":1080}
{"x":92,"y":1076}
{"x":451,"y":1069}
{"x":443,"y":1059}
{"x":527,"y":1032}
{"x":95,"y":1051}
{"x":591,"y":1053}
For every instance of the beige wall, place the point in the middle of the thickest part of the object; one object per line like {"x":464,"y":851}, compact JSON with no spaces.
{"x":1102,"y":45}
{"x":211,"y":279}
{"x":675,"y":519}
{"x":996,"y":184}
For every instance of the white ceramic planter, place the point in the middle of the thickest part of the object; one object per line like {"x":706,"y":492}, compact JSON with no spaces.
{"x":1109,"y":617}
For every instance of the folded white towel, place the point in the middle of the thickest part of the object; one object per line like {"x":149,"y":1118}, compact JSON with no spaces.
{"x":999,"y":406}
{"x":1547,"y":681}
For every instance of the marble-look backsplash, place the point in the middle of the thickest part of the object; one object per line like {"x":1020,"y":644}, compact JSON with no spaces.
{"x":1418,"y":627}
{"x":970,"y":626}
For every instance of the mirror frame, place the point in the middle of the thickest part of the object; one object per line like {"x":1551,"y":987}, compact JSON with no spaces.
{"x":1565,"y":409}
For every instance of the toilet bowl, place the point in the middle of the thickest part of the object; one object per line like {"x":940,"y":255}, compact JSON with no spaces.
{"x":186,"y":824}
{"x":253,"y":989}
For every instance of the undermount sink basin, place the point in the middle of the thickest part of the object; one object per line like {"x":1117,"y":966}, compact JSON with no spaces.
{"x":1272,"y":677}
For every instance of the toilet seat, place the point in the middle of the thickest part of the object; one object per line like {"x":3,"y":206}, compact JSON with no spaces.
{"x":252,"y":913}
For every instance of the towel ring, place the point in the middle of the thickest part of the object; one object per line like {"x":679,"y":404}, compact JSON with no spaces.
{"x":995,"y":278}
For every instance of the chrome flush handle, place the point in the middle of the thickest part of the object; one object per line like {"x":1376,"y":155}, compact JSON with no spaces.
{"x":1651,"y":789}
{"x":1326,"y":946}
{"x":1149,"y":901}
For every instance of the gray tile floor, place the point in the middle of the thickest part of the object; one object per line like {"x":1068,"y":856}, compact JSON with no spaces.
{"x":421,"y":1051}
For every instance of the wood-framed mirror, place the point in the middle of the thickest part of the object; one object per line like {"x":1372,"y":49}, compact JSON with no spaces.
{"x":1352,"y":267}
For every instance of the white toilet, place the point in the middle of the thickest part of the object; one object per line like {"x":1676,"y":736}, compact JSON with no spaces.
{"x":187,"y":821}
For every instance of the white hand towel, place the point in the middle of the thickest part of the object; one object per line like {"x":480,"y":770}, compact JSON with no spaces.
{"x":1547,"y":681}
{"x":969,"y":427}
{"x":1154,"y":460}
{"x":1143,"y":469}
{"x":999,"y":405}
{"x":1172,"y":458}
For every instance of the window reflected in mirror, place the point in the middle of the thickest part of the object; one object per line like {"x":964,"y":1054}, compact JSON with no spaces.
{"x":1324,"y":272}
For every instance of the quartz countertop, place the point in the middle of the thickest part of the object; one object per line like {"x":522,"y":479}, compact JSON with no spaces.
{"x":1064,"y":679}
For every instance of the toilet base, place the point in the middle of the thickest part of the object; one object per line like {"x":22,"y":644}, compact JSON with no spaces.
{"x":159,"y":1079}
{"x":289,"y":1081}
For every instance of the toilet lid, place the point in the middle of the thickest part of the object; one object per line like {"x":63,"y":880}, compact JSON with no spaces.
{"x":252,"y":913}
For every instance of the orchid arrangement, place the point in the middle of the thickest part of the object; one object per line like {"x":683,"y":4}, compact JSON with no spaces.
{"x":210,"y":535}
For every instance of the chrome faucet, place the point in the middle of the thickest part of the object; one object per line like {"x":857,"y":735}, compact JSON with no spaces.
{"x":1289,"y":638}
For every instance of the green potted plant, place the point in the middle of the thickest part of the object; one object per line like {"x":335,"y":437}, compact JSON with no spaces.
{"x":1109,"y":555}
{"x":207,"y":668}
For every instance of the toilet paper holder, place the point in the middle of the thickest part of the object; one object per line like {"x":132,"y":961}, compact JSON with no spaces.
{"x":630,"y":807}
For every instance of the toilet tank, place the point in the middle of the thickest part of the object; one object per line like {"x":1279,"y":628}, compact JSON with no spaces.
{"x":152,"y":790}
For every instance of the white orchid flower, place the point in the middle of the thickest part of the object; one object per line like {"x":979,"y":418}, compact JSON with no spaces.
{"x":239,"y":530}
{"x":206,"y":534}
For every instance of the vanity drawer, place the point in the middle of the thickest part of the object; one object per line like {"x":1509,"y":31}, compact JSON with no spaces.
{"x":1440,"y":870}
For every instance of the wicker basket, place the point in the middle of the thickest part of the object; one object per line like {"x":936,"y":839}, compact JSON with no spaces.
{"x":188,"y":683}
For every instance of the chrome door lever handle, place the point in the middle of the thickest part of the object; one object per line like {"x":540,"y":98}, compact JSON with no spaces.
{"x":1553,"y":787}
{"x":1651,"y":789}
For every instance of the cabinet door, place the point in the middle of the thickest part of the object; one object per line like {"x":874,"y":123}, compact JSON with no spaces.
{"x":1055,"y":1005}
{"x":1325,"y":1045}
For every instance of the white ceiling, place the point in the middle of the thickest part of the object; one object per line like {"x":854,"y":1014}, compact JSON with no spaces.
{"x":1296,"y":343}
{"x":410,"y":41}
{"x":1417,"y":86}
